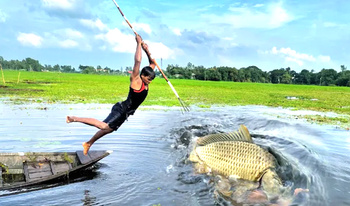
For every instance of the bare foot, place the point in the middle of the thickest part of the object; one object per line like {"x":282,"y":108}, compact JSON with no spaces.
{"x":70,"y":119}
{"x":86,"y":147}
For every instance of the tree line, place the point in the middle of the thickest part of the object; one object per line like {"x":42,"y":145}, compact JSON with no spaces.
{"x":326,"y":77}
{"x":30,"y":64}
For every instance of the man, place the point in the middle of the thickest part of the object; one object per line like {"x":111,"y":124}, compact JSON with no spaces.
{"x":139,"y":83}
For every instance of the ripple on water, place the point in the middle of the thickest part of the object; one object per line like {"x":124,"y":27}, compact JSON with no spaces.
{"x":138,"y":173}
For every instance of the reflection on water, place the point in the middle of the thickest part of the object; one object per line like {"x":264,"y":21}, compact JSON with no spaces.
{"x":148,"y":165}
{"x":88,"y":199}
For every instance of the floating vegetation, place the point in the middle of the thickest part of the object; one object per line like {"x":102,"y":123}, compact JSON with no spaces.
{"x":31,"y":156}
{"x":340,"y":121}
{"x":4,"y":168}
{"x":67,"y":158}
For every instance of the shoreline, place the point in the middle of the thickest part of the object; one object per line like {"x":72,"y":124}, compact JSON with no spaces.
{"x":339,"y":121}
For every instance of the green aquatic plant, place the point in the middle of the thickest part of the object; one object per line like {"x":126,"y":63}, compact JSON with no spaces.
{"x":4,"y":167}
{"x":341,"y":121}
{"x":67,"y":158}
{"x":31,"y":156}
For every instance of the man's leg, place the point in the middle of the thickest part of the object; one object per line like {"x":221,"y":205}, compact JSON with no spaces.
{"x":98,"y":135}
{"x":88,"y":121}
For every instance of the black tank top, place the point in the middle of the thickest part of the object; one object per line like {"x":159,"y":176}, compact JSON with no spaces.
{"x":135,"y":98}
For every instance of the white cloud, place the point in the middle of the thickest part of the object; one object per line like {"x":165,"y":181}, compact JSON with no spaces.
{"x":324,"y":58}
{"x":298,"y":61}
{"x":333,"y":25}
{"x":140,"y":26}
{"x":71,"y":33}
{"x":273,"y":16}
{"x":278,"y":16}
{"x":97,"y":24}
{"x":159,"y":50}
{"x":58,"y":4}
{"x":68,"y":43}
{"x":29,"y":39}
{"x":118,"y":41}
{"x":177,"y":32}
{"x":291,"y":55}
{"x":3,"y":16}
{"x":258,"y":5}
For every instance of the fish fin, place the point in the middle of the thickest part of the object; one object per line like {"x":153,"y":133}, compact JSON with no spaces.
{"x":194,"y":157}
{"x":241,"y":135}
{"x":244,"y":134}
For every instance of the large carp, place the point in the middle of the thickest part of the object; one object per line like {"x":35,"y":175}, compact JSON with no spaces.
{"x":234,"y":155}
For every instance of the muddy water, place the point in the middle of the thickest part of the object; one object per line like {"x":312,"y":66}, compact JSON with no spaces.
{"x":147,"y":166}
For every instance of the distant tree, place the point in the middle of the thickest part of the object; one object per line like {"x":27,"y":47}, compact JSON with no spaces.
{"x":213,"y":74}
{"x":87,"y":69}
{"x":108,"y":70}
{"x":56,"y":68}
{"x":304,"y":77}
{"x":276,"y":75}
{"x":343,"y":68}
{"x":343,"y":77}
{"x":286,"y":78}
{"x":67,"y":69}
{"x":233,"y":74}
{"x":224,"y":72}
{"x":293,"y":75}
{"x":48,"y":67}
{"x":175,"y":71}
{"x":327,"y":77}
{"x":33,"y":65}
{"x":256,"y":74}
{"x":190,"y":66}
{"x":199,"y":73}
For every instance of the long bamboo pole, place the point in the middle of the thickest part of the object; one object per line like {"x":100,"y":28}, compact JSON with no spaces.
{"x":161,"y":71}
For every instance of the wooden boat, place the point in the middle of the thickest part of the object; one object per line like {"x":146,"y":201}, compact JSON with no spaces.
{"x":18,"y":170}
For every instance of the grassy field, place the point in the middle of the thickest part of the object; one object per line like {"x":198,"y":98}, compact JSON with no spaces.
{"x":48,"y":87}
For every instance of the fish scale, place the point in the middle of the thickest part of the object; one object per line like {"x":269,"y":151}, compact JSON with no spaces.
{"x":242,"y":159}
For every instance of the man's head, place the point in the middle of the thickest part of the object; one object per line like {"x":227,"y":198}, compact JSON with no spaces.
{"x":147,"y":74}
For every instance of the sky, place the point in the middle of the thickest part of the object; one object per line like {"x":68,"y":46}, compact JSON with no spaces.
{"x":269,"y":34}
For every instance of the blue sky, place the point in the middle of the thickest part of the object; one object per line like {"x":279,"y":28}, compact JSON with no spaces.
{"x":269,"y":34}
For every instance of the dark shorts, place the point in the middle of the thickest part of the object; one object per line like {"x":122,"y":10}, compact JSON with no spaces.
{"x":117,"y":116}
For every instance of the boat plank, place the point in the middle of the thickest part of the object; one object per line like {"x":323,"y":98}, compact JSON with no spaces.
{"x":53,"y":168}
{"x":0,"y":177}
{"x":39,"y":174}
{"x":83,"y":159}
{"x":25,"y":169}
{"x":39,"y":170}
{"x":33,"y":167}
{"x":61,"y":167}
{"x":96,"y":154}
{"x":16,"y":171}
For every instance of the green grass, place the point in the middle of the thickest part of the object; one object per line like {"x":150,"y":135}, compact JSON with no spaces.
{"x":87,"y":88}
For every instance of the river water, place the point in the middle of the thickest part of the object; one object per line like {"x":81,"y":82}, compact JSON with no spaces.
{"x":147,"y":166}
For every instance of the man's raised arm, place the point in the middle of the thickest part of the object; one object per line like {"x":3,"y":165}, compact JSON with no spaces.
{"x":138,"y":57}
{"x":152,"y":63}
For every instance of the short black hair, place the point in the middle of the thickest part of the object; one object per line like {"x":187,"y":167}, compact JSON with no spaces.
{"x":148,"y":72}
